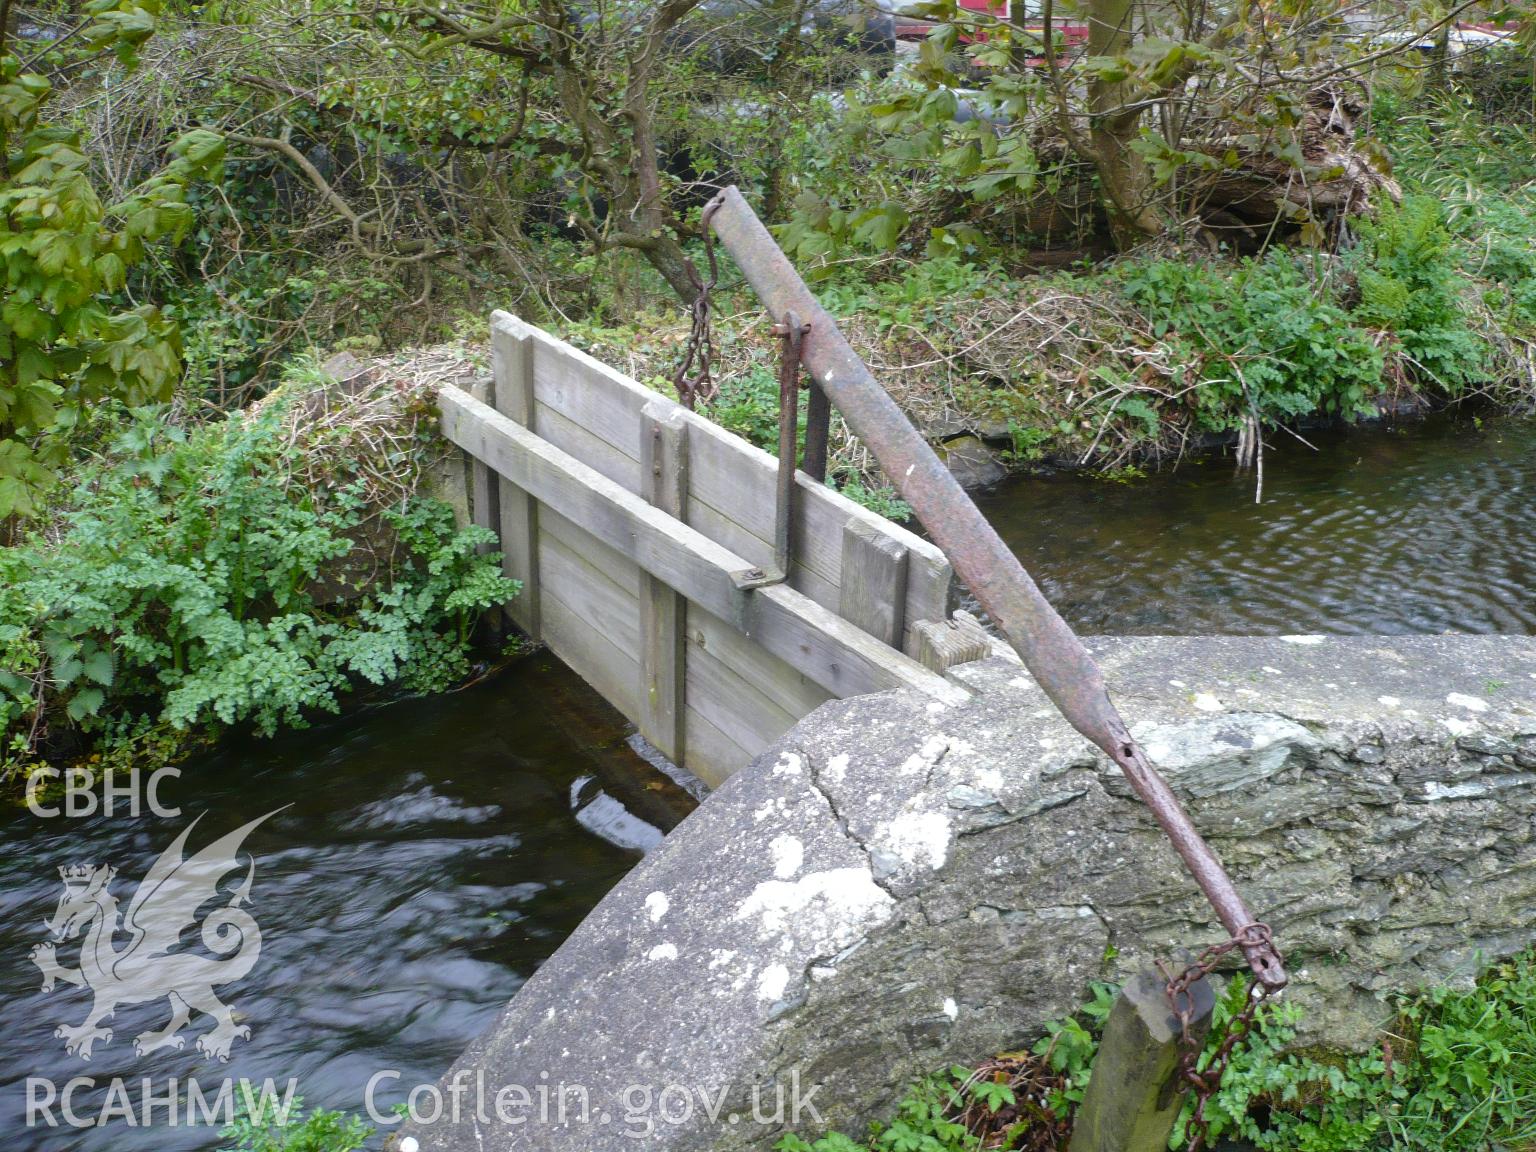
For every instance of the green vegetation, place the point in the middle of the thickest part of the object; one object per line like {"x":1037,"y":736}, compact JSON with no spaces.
{"x":250,"y":571}
{"x":1457,"y":1073}
{"x":193,"y":199}
{"x":315,"y":1130}
{"x":66,"y":340}
{"x":1145,"y":356}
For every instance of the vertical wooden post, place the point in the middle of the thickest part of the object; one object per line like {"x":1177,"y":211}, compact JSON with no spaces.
{"x":663,"y":612}
{"x":1134,"y":1096}
{"x":484,"y":497}
{"x":941,"y":644}
{"x":873,"y":593}
{"x":517,"y":519}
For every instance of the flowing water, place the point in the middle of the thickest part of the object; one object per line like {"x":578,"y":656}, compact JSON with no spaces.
{"x":1423,"y":528}
{"x":429,"y":855}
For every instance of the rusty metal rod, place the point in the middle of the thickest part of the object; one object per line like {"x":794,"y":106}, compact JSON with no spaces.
{"x":1049,"y":648}
{"x":792,"y":332}
{"x":818,"y":423}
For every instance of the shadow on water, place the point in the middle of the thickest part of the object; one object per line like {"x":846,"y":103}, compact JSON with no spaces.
{"x":427,"y":861}
{"x":1426,"y":528}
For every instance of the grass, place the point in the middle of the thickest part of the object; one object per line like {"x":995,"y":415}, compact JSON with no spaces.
{"x":1456,"y":1073}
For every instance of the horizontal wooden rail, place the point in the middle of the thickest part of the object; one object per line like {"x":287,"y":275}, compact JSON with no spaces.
{"x":830,"y":651}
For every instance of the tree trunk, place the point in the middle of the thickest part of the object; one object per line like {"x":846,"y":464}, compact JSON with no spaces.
{"x":666,"y":255}
{"x":1125,"y":179}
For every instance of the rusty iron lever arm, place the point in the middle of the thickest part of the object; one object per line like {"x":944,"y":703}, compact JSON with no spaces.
{"x":1049,"y":648}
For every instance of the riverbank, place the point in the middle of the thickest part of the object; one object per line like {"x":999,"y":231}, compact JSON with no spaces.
{"x":247,"y":572}
{"x":1172,"y":349}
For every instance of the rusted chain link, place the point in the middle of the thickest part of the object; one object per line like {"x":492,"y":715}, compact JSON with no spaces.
{"x":701,"y":346}
{"x":1203,"y":1083}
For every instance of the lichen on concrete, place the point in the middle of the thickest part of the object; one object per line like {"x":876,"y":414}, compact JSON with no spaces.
{"x":897,"y":887}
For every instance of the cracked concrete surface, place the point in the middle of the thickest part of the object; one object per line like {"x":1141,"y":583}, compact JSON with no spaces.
{"x":902,"y":884}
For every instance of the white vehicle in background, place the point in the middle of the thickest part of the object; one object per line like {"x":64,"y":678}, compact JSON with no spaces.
{"x":1458,"y":41}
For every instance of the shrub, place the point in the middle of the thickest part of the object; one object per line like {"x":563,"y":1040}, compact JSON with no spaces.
{"x":1268,"y":339}
{"x":203,"y":584}
{"x":1410,"y":286}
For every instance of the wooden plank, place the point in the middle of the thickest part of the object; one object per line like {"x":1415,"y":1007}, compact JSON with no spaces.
{"x":873,"y":595}
{"x":591,"y":655}
{"x":517,"y":513}
{"x":610,"y":561}
{"x":732,"y":702}
{"x":1136,"y":1092}
{"x":484,"y":506}
{"x":723,"y":530}
{"x":713,"y":756}
{"x":591,"y":397}
{"x":663,"y":613}
{"x":832,"y":652}
{"x":606,"y":604}
{"x":589,"y":448}
{"x":731,"y":476}
{"x":789,"y":688}
{"x":958,"y":640}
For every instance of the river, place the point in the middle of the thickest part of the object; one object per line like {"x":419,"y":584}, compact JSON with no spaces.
{"x":428,"y":856}
{"x":1421,"y":528}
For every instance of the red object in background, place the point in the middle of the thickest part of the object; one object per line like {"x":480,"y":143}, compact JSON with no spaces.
{"x":1072,"y":35}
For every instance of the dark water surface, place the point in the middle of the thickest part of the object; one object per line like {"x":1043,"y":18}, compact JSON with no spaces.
{"x":430,"y":858}
{"x":1422,"y":528}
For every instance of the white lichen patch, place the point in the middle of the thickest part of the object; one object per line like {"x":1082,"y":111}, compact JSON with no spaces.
{"x":837,"y":768}
{"x":918,"y":839}
{"x":1207,"y":702}
{"x":1306,"y":640}
{"x":775,"y":807}
{"x":790,"y":764}
{"x":788,"y":854}
{"x":936,"y":706}
{"x":666,"y":950}
{"x":828,"y":910}
{"x":1177,"y":684}
{"x":1273,"y":671}
{"x":1389,"y":701}
{"x":1457,"y":726}
{"x":927,"y":756}
{"x":1470,"y":703}
{"x":772,"y":981}
{"x":951,"y":1009}
{"x":720,"y":957}
{"x":989,"y":778}
{"x":657,"y":905}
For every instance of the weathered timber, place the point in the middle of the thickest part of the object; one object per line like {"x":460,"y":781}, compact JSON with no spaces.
{"x":517,"y":513}
{"x":833,"y":653}
{"x":484,"y":505}
{"x":1134,"y":1096}
{"x":663,"y":613}
{"x":874,"y":591}
{"x":592,"y":410}
{"x":944,"y":643}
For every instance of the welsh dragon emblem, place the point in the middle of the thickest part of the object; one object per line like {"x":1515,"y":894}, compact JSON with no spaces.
{"x":151,"y":963}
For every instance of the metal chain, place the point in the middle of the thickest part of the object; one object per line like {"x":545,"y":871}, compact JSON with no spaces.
{"x":1204,"y":1082}
{"x":701,"y":347}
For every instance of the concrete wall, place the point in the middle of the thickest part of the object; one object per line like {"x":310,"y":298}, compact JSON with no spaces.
{"x":900,"y":884}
